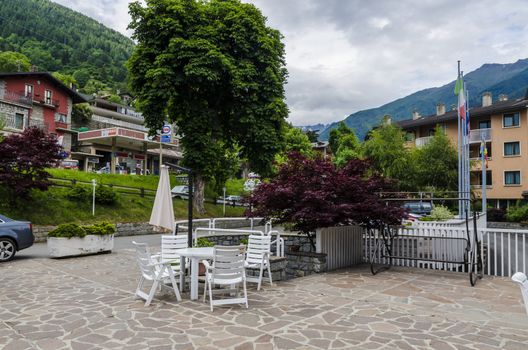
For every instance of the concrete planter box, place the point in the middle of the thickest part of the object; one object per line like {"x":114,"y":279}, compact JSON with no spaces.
{"x":59,"y":247}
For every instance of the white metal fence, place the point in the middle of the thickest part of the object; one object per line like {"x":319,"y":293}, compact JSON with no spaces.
{"x":504,"y":252}
{"x":342,"y":245}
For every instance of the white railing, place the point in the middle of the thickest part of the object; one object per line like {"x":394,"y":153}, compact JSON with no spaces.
{"x":208,"y":227}
{"x":503,"y":251}
{"x":422,"y":141}
{"x":477,"y":135}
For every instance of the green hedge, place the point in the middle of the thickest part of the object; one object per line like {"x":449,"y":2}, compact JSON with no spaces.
{"x":74,"y":230}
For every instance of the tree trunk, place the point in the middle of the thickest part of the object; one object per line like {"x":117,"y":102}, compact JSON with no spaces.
{"x":198,"y":195}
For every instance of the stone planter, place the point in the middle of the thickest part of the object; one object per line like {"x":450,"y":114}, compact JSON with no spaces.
{"x":59,"y":247}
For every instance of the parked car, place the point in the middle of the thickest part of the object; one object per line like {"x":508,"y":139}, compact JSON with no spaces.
{"x":106,"y":170}
{"x":14,"y":236}
{"x":419,"y":207}
{"x":70,"y":164}
{"x":181,"y":192}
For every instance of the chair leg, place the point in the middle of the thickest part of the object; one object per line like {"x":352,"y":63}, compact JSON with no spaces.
{"x":205,"y":289}
{"x":152,"y":292}
{"x":174,"y":284}
{"x":269,"y":273}
{"x":245,"y":293}
{"x":210,"y":296}
{"x":139,"y":287}
{"x":260,"y":275}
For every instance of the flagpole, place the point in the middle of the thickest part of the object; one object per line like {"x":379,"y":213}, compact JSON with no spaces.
{"x":484,"y":181}
{"x":468,"y":165}
{"x":460,"y":209}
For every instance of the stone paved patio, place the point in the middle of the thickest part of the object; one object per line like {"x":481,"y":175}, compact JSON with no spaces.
{"x":87,"y":303}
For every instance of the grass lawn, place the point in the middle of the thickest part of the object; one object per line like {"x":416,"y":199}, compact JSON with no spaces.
{"x":52,"y":207}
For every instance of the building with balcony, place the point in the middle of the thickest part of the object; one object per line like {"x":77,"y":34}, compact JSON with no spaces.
{"x":37,"y":99}
{"x":116,"y":140}
{"x":503,"y":125}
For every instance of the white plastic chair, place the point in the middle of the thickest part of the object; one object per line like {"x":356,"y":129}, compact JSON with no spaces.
{"x":153,"y":270}
{"x":227,"y":270}
{"x":169,"y":245}
{"x":257,"y":256}
{"x":521,"y":279}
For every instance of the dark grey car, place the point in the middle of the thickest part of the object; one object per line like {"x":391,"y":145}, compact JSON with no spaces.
{"x":14,"y":236}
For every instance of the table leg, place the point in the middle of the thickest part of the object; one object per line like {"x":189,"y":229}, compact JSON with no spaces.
{"x":182,"y":274}
{"x":194,"y":278}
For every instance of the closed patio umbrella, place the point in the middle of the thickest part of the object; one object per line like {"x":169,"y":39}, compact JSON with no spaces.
{"x":162,"y":216}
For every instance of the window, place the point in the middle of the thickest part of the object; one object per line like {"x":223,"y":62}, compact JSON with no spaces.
{"x":512,"y":177}
{"x":476,"y":178}
{"x":485,"y":124}
{"x":61,"y":118}
{"x":19,"y":121}
{"x":28,"y":91}
{"x":48,"y":97}
{"x":510,"y":120}
{"x":512,"y":148}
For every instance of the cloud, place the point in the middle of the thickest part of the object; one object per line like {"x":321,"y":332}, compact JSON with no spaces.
{"x":344,"y":56}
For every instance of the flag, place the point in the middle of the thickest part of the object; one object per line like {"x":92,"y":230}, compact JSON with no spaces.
{"x":467,"y":117}
{"x":484,"y":152}
{"x":461,"y":100}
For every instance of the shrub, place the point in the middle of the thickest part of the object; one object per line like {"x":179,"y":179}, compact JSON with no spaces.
{"x":103,"y":228}
{"x":244,"y":241}
{"x":74,"y":230}
{"x":203,"y":242}
{"x":78,"y":193}
{"x":105,"y":195}
{"x":517,"y":213}
{"x":497,"y":215}
{"x":440,"y":213}
{"x":68,"y":231}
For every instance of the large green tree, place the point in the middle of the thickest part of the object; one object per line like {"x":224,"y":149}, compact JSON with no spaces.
{"x":14,"y":62}
{"x":294,"y":141}
{"x":437,"y":163}
{"x":218,"y":71}
{"x":388,"y":154}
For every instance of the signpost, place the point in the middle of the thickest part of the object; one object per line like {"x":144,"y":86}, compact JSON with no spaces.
{"x":165,"y":137}
{"x":94,"y":184}
{"x":224,"y":198}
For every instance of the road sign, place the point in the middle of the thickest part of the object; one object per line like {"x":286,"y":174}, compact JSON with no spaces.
{"x":166,"y":133}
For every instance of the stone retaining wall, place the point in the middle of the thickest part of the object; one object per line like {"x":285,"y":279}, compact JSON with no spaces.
{"x":302,"y":264}
{"x":507,"y":225}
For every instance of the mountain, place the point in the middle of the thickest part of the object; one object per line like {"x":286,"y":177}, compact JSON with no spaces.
{"x":510,"y":79}
{"x":56,"y":38}
{"x":315,"y":127}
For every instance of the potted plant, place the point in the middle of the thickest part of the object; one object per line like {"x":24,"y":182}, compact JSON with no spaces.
{"x":202,"y":242}
{"x":74,"y":240}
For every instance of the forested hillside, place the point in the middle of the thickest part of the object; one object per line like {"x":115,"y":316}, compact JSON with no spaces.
{"x":55,"y":38}
{"x":510,"y":79}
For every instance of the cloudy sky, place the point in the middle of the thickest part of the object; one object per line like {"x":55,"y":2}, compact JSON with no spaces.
{"x":347,"y":55}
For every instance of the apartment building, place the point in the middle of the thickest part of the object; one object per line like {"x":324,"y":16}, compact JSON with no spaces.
{"x":503,"y":125}
{"x":37,"y":99}
{"x":115,"y":139}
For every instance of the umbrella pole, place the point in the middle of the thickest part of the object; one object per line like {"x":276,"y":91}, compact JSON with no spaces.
{"x":190,"y":209}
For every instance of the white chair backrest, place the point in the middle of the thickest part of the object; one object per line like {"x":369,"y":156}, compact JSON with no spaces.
{"x":257,"y":245}
{"x":522,"y":280}
{"x":228,"y":262}
{"x":169,"y":245}
{"x":144,"y":260}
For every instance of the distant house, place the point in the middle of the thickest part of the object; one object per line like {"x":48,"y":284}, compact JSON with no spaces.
{"x":322,"y":147}
{"x":37,"y":99}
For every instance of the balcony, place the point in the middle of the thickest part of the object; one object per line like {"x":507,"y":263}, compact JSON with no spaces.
{"x":17,"y":97}
{"x":477,"y":135}
{"x":422,"y":141}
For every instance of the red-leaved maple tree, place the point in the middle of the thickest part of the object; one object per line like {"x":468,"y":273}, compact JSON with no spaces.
{"x":314,"y":193}
{"x":23,"y":160}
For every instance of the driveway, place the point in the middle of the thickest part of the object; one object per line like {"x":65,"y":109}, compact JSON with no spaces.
{"x":88,"y":303}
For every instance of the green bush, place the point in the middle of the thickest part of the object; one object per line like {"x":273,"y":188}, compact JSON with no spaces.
{"x":203,"y":242}
{"x":74,"y":230}
{"x":244,"y":241}
{"x":517,"y":213}
{"x":78,"y":193}
{"x":440,"y":213}
{"x":105,"y":195}
{"x":103,"y":228}
{"x":68,"y":231}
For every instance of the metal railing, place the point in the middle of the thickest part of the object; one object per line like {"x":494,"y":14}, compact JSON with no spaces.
{"x":477,"y":135}
{"x":422,"y":141}
{"x":504,"y":251}
{"x":17,"y":97}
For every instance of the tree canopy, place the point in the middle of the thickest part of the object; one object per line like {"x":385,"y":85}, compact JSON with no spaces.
{"x":218,"y":71}
{"x":14,"y":62}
